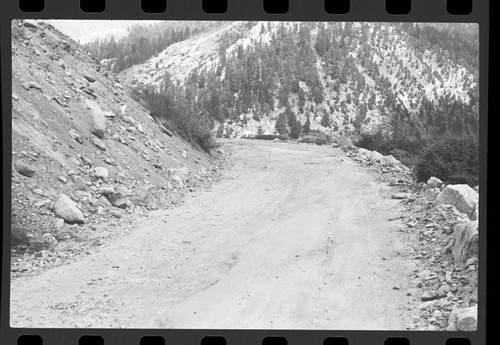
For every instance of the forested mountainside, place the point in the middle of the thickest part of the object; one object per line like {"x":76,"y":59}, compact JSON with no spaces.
{"x":244,"y":78}
{"x":143,"y":42}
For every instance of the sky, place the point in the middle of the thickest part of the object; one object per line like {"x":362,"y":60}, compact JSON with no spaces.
{"x":85,"y":31}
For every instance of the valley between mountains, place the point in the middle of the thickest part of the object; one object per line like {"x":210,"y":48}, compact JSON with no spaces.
{"x":293,"y":236}
{"x":145,"y":196}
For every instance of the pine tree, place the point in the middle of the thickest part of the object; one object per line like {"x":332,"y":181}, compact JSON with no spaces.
{"x":325,"y":120}
{"x":295,"y":127}
{"x":307,"y":126}
{"x":280,"y":125}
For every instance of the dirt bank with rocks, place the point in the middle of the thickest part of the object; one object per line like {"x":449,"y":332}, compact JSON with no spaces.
{"x":86,"y":157}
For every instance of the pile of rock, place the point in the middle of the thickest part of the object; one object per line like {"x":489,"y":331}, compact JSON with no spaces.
{"x":388,"y":163}
{"x":442,"y":220}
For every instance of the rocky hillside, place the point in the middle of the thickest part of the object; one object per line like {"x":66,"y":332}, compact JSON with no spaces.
{"x":86,"y":156}
{"x":143,"y":40}
{"x":346,"y":78}
{"x":443,"y":224}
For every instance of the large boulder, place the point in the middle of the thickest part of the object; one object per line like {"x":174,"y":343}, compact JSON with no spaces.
{"x":66,"y":209}
{"x":106,"y":190}
{"x":183,"y":172}
{"x":79,"y":183}
{"x":31,"y":85}
{"x":118,"y":200}
{"x":129,"y":119}
{"x":49,"y":240}
{"x":376,"y":157}
{"x":463,"y":197}
{"x":390,"y":161}
{"x":30,"y":25}
{"x":23,"y":168}
{"x":99,"y":144}
{"x":104,"y":202}
{"x":464,"y":319}
{"x":465,"y":241}
{"x":101,"y":172}
{"x":95,"y":118}
{"x":178,"y":181}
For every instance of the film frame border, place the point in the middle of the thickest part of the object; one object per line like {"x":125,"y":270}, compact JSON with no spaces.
{"x":298,"y":10}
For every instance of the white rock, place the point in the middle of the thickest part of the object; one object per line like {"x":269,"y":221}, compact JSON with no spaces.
{"x":464,"y":319}
{"x":437,"y":314}
{"x":31,"y":85}
{"x":434,"y":182}
{"x":59,"y":223}
{"x":471,"y":261}
{"x":109,"y":114}
{"x":178,"y":180}
{"x":95,"y":118}
{"x":376,"y":157}
{"x":66,"y":209}
{"x":183,"y":172}
{"x":465,"y":241}
{"x":48,"y":239}
{"x":104,"y":202}
{"x":427,"y":304}
{"x":115,"y":213}
{"x":390,"y":161}
{"x":101,"y":172}
{"x":364,"y":152}
{"x":105,"y":190}
{"x":129,"y":119}
{"x":463,"y":197}
{"x":424,"y":274}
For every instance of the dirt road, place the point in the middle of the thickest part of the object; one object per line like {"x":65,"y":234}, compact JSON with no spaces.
{"x":295,"y":236}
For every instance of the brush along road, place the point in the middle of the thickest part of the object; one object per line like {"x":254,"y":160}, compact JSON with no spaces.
{"x":294,"y":236}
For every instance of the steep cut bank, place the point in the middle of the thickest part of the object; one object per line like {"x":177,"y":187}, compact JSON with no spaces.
{"x":86,"y":156}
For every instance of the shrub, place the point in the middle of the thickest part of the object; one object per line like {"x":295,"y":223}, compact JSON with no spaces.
{"x":406,"y":149}
{"x":313,"y":139}
{"x":182,"y":117}
{"x":270,"y":137}
{"x":220,"y":131}
{"x":371,"y":142}
{"x":453,"y":160}
{"x":18,"y":235}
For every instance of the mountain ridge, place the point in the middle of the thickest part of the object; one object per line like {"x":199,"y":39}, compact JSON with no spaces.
{"x":368,"y":78}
